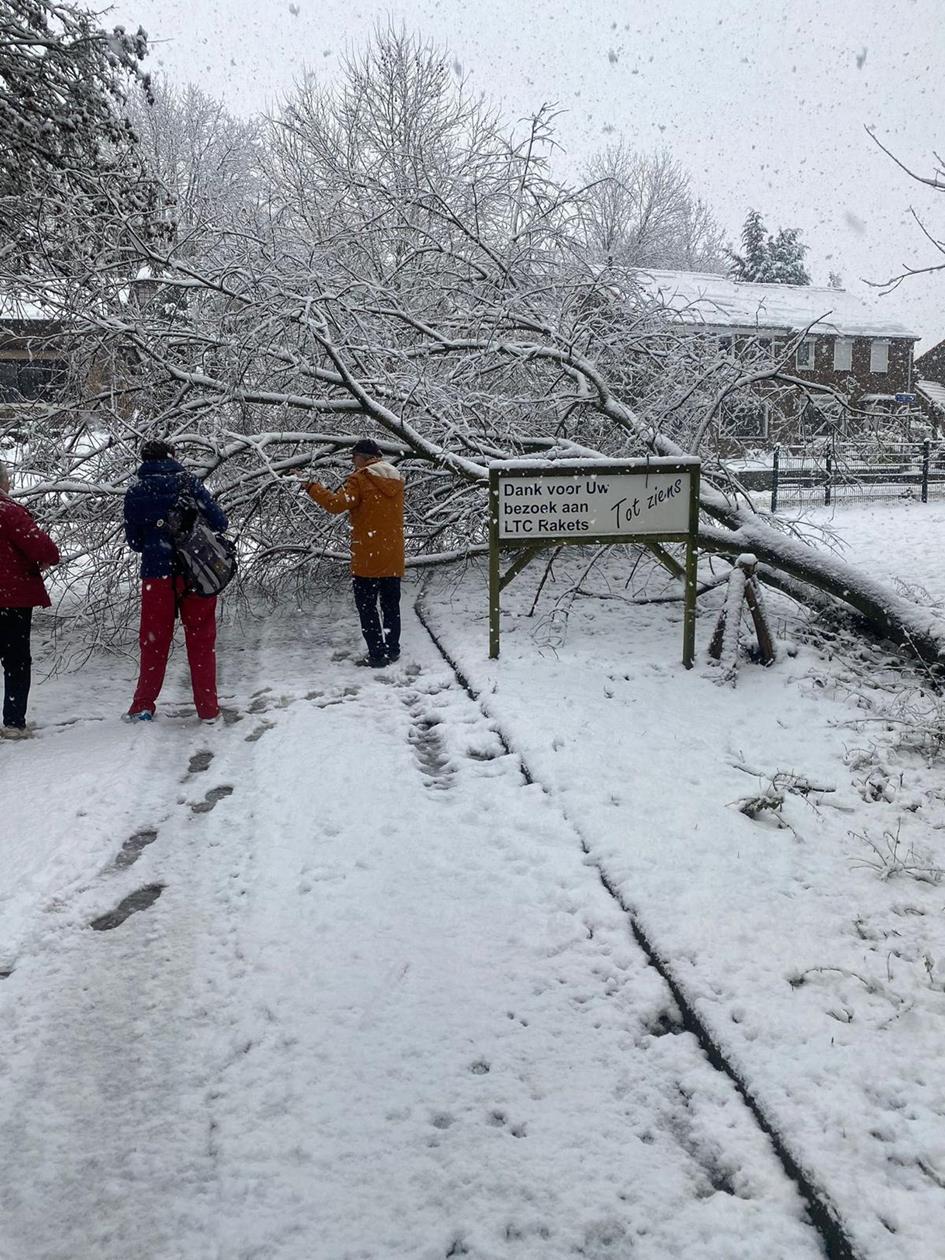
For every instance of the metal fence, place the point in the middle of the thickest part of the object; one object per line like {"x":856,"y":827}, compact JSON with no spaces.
{"x":846,"y":472}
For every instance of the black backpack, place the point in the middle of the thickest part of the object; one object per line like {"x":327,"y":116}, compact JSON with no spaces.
{"x":207,"y":559}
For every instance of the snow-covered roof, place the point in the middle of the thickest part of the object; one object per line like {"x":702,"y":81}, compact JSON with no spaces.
{"x":931,"y":354}
{"x":718,"y":302}
{"x":16,"y":307}
{"x":934,"y":392}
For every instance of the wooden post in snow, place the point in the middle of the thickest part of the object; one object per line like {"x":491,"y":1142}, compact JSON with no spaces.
{"x":743,"y":588}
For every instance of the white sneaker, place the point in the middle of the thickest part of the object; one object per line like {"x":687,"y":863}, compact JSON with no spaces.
{"x":15,"y":732}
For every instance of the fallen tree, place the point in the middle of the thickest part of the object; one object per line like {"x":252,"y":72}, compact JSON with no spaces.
{"x":412,"y":271}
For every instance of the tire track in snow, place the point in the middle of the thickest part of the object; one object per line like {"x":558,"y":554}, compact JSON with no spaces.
{"x":823,"y":1215}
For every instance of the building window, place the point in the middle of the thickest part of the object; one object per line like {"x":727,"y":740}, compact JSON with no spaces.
{"x":843,"y":354}
{"x":805,"y":355}
{"x":29,"y":380}
{"x":879,"y":356}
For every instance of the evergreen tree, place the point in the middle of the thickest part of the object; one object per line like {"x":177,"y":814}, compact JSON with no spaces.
{"x":751,"y":264}
{"x":786,"y":258}
{"x":769,"y":259}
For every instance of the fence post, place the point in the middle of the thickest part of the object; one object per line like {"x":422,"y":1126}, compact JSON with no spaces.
{"x":926,"y":456}
{"x":775,"y":473}
{"x":829,"y":482}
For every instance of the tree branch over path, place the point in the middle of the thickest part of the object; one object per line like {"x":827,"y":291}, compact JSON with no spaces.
{"x":412,"y":271}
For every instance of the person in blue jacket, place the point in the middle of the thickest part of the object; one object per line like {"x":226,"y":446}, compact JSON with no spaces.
{"x":164,"y":595}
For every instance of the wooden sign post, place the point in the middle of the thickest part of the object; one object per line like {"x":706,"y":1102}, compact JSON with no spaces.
{"x":535,"y":504}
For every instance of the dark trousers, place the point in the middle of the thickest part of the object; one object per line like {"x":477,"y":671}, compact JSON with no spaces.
{"x":15,"y":656}
{"x":367,"y":591}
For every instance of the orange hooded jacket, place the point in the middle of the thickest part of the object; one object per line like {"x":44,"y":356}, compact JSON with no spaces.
{"x":374,"y":496}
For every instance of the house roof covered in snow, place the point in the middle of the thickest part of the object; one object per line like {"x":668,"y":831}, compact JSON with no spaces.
{"x":17,"y":308}
{"x":934,"y":392}
{"x":932,"y":360}
{"x":719,"y":302}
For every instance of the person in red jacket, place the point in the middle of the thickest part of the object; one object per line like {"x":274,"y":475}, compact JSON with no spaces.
{"x":24,"y":552}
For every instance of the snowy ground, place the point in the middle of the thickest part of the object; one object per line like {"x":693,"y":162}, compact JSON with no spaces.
{"x":381,"y":1004}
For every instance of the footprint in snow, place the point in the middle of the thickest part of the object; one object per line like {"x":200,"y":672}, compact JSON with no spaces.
{"x":429,"y":749}
{"x":134,"y":846}
{"x":140,"y":899}
{"x":212,"y":798}
{"x":666,"y":1022}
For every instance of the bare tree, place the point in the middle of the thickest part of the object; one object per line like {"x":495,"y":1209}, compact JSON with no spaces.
{"x":640,"y":211}
{"x":206,"y":161}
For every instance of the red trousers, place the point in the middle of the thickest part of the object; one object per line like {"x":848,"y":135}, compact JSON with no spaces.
{"x":161,"y":600}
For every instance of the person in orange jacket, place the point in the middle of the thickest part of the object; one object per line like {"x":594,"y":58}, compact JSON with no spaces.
{"x":374,"y":498}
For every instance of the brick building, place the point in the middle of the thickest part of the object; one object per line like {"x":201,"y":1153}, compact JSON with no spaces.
{"x":32,"y":364}
{"x":930,"y":385}
{"x":835,"y":339}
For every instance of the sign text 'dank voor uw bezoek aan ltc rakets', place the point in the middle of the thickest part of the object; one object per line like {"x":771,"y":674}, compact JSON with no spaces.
{"x":598,"y":505}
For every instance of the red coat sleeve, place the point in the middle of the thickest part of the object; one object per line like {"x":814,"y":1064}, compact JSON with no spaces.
{"x":23,"y":532}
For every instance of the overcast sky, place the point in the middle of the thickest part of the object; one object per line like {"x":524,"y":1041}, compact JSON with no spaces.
{"x":764,"y":101}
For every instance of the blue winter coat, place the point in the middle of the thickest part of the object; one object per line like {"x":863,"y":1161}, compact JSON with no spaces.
{"x":148,"y":501}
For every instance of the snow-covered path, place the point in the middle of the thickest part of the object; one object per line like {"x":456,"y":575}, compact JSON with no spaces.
{"x":381,"y":1006}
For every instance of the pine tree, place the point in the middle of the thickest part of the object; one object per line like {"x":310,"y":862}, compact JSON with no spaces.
{"x":769,"y":259}
{"x":754,"y":237}
{"x":786,"y":258}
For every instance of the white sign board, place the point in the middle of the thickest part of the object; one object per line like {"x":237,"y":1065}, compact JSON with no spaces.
{"x":550,"y":506}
